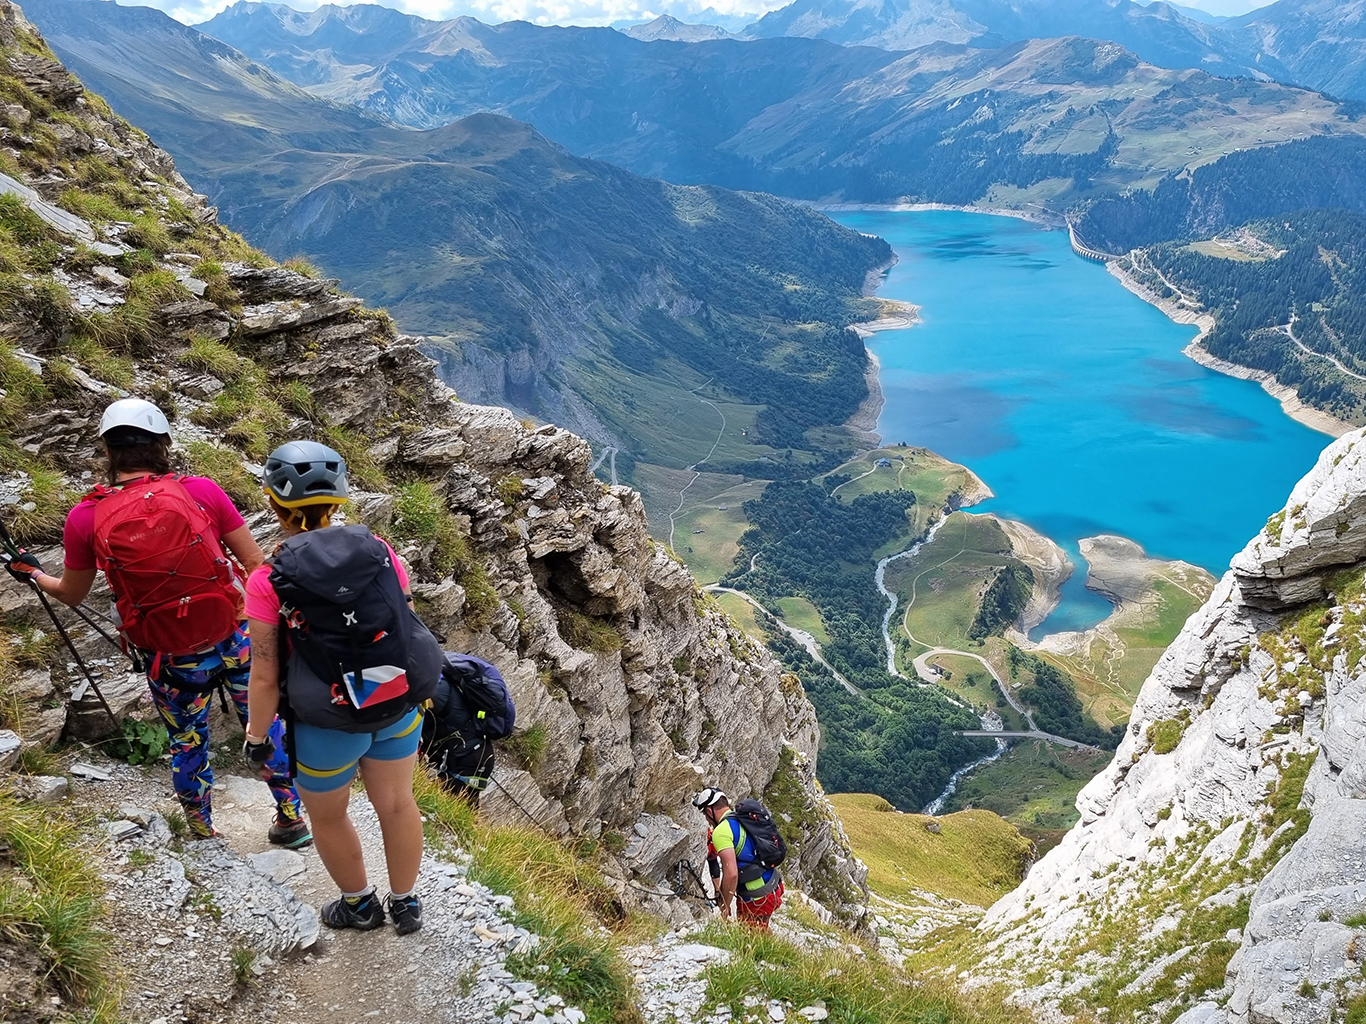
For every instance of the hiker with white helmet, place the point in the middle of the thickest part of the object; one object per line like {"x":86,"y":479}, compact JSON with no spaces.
{"x":159,"y":539}
{"x":340,"y":649}
{"x":744,"y":849}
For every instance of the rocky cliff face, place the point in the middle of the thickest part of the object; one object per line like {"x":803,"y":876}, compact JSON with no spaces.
{"x":1217,"y":873}
{"x":632,"y":689}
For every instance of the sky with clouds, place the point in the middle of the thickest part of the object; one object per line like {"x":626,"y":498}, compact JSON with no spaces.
{"x":581,"y":12}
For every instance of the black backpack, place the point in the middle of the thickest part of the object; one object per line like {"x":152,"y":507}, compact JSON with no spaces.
{"x":359,"y":657}
{"x":766,"y":841}
{"x":476,"y":697}
{"x":471,"y":707}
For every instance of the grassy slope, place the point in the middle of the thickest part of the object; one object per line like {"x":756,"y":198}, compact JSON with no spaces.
{"x":1035,"y":784}
{"x":975,"y":858}
{"x":930,"y":477}
{"x":709,"y":554}
{"x":802,"y":614}
{"x":51,"y":907}
{"x":743,"y":613}
{"x":940,"y":588}
{"x":1110,"y":672}
{"x":970,"y":682}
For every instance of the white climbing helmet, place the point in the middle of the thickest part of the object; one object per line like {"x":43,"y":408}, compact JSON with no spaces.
{"x":709,"y":797}
{"x":135,"y":413}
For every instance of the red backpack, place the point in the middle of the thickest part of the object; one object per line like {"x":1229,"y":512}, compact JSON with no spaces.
{"x":174,"y":588}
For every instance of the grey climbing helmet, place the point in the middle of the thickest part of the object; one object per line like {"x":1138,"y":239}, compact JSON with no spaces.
{"x":305,"y":473}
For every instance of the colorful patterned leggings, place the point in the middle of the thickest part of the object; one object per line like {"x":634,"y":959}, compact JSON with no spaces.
{"x":182,"y":692}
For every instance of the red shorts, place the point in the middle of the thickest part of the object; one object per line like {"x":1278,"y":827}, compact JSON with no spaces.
{"x":757,"y":912}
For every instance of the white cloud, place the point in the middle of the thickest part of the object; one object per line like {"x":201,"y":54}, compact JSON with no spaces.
{"x":577,"y":12}
{"x":541,"y":12}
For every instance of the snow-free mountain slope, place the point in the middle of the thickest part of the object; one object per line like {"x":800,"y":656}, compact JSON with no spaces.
{"x":803,"y":117}
{"x":1317,"y":43}
{"x":670,"y":29}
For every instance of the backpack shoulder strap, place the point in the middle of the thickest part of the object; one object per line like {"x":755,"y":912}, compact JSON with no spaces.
{"x":738,"y":836}
{"x":100,"y":492}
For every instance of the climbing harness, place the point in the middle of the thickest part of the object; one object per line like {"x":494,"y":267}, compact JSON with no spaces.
{"x":10,"y":551}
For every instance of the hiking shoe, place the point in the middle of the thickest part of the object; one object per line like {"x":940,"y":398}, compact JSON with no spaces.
{"x":361,"y":913}
{"x":291,"y":835}
{"x":406,"y":912}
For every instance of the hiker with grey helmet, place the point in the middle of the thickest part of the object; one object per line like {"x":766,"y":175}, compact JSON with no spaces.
{"x":159,"y":538}
{"x":342,"y":653}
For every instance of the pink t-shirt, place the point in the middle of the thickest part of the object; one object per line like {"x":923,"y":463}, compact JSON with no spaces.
{"x":264,"y":604}
{"x":78,"y":537}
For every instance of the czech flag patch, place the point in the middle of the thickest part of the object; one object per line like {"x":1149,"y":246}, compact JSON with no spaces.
{"x":376,"y":685}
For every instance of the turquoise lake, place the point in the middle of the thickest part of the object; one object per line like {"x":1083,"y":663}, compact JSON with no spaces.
{"x":1071,"y":399}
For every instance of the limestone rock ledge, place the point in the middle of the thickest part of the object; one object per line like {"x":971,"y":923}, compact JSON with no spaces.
{"x":633,"y":689}
{"x":1217,"y":874}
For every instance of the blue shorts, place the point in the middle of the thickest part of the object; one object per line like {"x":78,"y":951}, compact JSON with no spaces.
{"x":326,"y":758}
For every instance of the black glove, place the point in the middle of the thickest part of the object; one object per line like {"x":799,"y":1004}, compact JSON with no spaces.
{"x":21,"y":566}
{"x":257,"y":754}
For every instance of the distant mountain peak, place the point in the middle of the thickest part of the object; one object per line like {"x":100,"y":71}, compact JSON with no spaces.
{"x":667,"y":27}
{"x":890,"y":24}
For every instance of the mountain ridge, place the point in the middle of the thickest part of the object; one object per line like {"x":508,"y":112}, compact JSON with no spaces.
{"x":714,"y":111}
{"x":670,"y":29}
{"x":531,"y":290}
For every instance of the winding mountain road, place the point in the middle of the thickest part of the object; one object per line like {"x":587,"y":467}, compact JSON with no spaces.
{"x":610,"y":454}
{"x":923,"y":670}
{"x":1289,"y":331}
{"x":720,"y":433}
{"x":921,"y":663}
{"x":1032,"y":734}
{"x":808,"y":642}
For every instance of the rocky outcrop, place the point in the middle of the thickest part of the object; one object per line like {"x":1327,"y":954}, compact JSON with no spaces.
{"x":633,"y":689}
{"x":1216,"y":872}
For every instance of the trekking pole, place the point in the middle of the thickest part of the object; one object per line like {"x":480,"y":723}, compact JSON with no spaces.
{"x":85,"y":669}
{"x":698,"y":879}
{"x":83,"y":611}
{"x":518,"y":804}
{"x":11,"y":551}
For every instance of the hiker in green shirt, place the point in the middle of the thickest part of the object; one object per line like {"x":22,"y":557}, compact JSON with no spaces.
{"x":736,"y":873}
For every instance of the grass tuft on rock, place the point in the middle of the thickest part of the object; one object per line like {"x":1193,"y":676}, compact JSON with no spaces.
{"x":42,"y":508}
{"x":224,"y":465}
{"x":213,"y":357}
{"x":853,"y":987}
{"x":588,"y":633}
{"x":51,"y":903}
{"x":421,"y":516}
{"x":558,"y":896}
